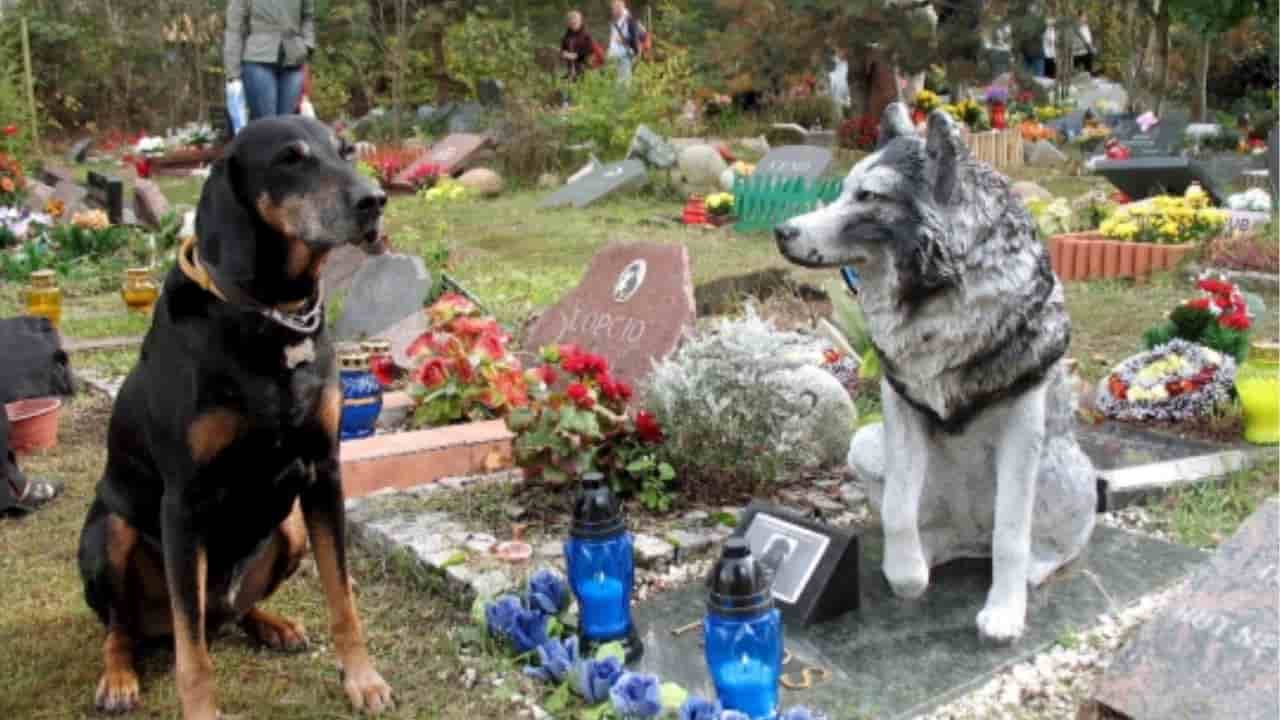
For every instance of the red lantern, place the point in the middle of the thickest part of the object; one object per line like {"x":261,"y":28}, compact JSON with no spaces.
{"x":918,"y":116}
{"x":998,"y":119}
{"x":695,"y":211}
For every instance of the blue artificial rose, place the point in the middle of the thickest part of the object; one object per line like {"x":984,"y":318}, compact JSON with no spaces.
{"x":593,"y":679}
{"x":696,"y":708}
{"x":555,"y":660}
{"x":734,"y":715}
{"x":636,"y":695}
{"x":801,"y":712}
{"x":529,"y":631}
{"x":548,"y":592}
{"x":500,"y":616}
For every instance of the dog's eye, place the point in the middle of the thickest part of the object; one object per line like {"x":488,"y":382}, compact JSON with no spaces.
{"x":347,"y":152}
{"x":864,"y":196}
{"x":295,"y":152}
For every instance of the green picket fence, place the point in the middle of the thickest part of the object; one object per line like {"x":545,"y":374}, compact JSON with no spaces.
{"x":763,"y":201}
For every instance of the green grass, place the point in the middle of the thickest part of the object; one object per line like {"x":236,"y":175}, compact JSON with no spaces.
{"x":1205,"y":515}
{"x":49,"y":639}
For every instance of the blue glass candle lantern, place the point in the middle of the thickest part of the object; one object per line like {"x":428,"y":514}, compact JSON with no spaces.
{"x":598,"y":554}
{"x":361,"y":395}
{"x":743,"y":633}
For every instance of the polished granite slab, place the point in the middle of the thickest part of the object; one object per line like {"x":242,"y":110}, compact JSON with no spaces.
{"x":1113,"y":445}
{"x":896,"y":658}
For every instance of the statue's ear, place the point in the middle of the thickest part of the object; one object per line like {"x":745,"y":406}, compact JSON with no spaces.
{"x":945,"y":149}
{"x":894,"y":123}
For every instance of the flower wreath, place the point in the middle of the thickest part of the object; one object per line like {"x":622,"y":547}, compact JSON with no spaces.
{"x":1176,"y":381}
{"x":531,"y":626}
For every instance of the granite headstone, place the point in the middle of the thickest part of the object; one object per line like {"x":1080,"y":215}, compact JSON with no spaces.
{"x":633,"y":306}
{"x":107,"y":193}
{"x":79,"y":152}
{"x":149,"y":202}
{"x":652,"y":148}
{"x":1146,"y":176}
{"x":804,"y":161}
{"x":1213,"y":652}
{"x":450,"y":154}
{"x":385,"y":290}
{"x":340,"y":267}
{"x":1159,"y":140}
{"x":599,"y":182}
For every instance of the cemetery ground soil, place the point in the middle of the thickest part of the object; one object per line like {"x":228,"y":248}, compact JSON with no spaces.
{"x":51,"y":641}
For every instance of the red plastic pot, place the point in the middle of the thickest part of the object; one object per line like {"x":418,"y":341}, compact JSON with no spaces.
{"x":33,"y":424}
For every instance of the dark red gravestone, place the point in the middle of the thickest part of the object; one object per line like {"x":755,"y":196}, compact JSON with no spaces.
{"x":633,"y":306}
{"x":1212,"y":653}
{"x":149,"y":203}
{"x":450,"y":154}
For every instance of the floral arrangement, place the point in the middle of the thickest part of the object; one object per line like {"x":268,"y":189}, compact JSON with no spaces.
{"x":1166,"y":219}
{"x":1033,"y":130}
{"x":720,"y":204}
{"x":1046,"y":113}
{"x":996,"y":95}
{"x":1253,"y":200}
{"x":1053,"y":217}
{"x":926,"y":101}
{"x":859,"y":133}
{"x":531,"y":625}
{"x":563,"y":433}
{"x":1092,"y":136}
{"x":17,"y":223}
{"x":425,"y":175}
{"x":1218,"y":318}
{"x":464,"y":370}
{"x":446,"y":190}
{"x":971,"y":113}
{"x":150,"y":146}
{"x":385,"y":163}
{"x":13,"y":183}
{"x":1178,"y":380}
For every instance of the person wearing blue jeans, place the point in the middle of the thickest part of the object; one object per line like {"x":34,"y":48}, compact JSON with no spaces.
{"x":267,"y":43}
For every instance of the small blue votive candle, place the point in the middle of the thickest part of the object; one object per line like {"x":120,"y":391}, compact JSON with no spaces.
{"x":742,"y":632}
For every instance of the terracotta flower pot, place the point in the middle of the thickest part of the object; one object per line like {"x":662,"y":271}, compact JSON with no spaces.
{"x":33,"y":424}
{"x":1089,"y":255}
{"x":1097,"y":256}
{"x":1142,"y":261}
{"x":1111,"y":258}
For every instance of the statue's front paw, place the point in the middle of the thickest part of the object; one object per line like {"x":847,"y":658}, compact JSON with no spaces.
{"x":1002,"y":623}
{"x":905,"y":569}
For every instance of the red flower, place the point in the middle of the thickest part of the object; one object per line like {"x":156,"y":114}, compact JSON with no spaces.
{"x":10,"y":130}
{"x":1223,"y":302}
{"x":474,"y":326}
{"x":581,"y":396}
{"x":1120,"y":198}
{"x":573,"y":361}
{"x":647,"y":427}
{"x":512,"y":387}
{"x":383,"y":369}
{"x":491,"y":345}
{"x":831,"y":356}
{"x":462,"y":366}
{"x":596,"y":365}
{"x":616,"y":390}
{"x":1216,"y":287}
{"x":448,"y":307}
{"x":546,"y":374}
{"x":1201,"y":303}
{"x":432,"y":373}
{"x":1235,"y":321}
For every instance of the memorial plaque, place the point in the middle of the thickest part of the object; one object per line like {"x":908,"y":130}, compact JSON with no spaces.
{"x":1159,"y":140}
{"x":633,"y":306}
{"x":1243,"y":221}
{"x":450,"y":154}
{"x":814,"y":566}
{"x":107,"y":193}
{"x":599,"y":182}
{"x":804,"y":161}
{"x":1212,"y":653}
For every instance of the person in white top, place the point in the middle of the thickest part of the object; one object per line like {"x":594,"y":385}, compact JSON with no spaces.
{"x":1082,"y":49}
{"x":1050,"y":41}
{"x":625,"y":35}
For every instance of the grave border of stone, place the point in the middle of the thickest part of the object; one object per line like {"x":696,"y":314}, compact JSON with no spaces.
{"x":1124,"y":487}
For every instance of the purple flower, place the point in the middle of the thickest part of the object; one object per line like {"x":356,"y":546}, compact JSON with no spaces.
{"x":529,"y":631}
{"x":500,"y":616}
{"x":555,"y":660}
{"x":801,"y":712}
{"x":997,"y":94}
{"x":548,"y":592}
{"x":696,"y":708}
{"x":593,"y":679}
{"x":636,"y":695}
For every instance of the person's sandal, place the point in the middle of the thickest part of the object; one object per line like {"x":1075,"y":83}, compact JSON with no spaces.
{"x":37,"y":494}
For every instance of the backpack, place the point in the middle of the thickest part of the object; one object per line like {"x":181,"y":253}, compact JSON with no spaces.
{"x":597,"y":56}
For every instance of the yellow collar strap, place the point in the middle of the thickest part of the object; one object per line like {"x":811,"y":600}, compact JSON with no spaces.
{"x":302,"y":316}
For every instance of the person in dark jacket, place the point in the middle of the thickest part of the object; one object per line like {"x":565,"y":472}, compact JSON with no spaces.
{"x":267,"y":43}
{"x":576,"y":47}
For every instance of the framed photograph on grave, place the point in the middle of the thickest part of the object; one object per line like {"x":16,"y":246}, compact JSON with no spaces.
{"x":814,"y":566}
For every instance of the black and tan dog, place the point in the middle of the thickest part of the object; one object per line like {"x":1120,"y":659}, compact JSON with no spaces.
{"x":223,"y":445}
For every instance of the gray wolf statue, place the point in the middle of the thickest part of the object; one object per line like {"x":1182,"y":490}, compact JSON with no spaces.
{"x":976,"y":456}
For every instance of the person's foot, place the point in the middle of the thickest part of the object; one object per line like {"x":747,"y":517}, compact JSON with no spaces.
{"x":38,"y":493}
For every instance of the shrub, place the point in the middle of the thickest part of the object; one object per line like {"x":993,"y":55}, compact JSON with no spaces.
{"x":483,"y":47}
{"x":607,"y":113}
{"x":859,"y":133}
{"x":727,"y":402}
{"x":532,"y":140}
{"x":1257,"y":252}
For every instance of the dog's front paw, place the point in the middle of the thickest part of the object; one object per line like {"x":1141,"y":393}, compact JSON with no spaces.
{"x":367,"y":690}
{"x":905,"y":569}
{"x":117,"y":692}
{"x":1002,"y":624}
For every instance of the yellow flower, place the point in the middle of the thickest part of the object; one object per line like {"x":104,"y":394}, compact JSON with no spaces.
{"x":1170,"y":229}
{"x":1196,"y":196}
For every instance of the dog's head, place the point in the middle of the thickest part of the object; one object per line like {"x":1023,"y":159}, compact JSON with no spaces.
{"x":890,"y":222}
{"x":284,"y":194}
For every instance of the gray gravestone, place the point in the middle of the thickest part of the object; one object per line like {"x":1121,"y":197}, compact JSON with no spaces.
{"x":340,"y":267}
{"x":652,"y":148}
{"x":38,"y":196}
{"x":466,"y":118}
{"x":1212,"y":653}
{"x":71,"y":195}
{"x":601,"y":181}
{"x":385,"y":290}
{"x":107,"y":193}
{"x":1159,"y":140}
{"x":79,"y":152}
{"x":803,"y":161}
{"x":56,"y":174}
{"x":898,"y":658}
{"x":489,"y":91}
{"x":1143,"y":177}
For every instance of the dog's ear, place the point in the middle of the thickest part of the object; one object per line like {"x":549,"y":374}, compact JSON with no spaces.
{"x":895,"y":122}
{"x":225,"y":229}
{"x":946,"y":150}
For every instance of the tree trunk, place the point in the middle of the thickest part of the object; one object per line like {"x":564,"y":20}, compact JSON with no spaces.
{"x":1162,"y":57}
{"x":1202,"y":81}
